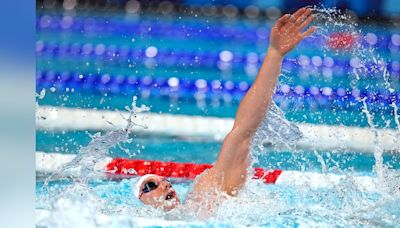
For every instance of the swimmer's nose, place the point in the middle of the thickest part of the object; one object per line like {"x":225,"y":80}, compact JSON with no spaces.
{"x":165,"y":184}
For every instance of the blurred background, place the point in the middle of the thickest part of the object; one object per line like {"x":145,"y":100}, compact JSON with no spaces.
{"x":196,"y":57}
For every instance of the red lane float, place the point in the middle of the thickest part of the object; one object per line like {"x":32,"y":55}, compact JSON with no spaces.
{"x":123,"y":166}
{"x":341,"y":40}
{"x":51,"y":162}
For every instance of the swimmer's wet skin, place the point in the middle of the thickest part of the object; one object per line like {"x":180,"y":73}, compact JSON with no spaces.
{"x":156,"y":191}
{"x":229,"y":172}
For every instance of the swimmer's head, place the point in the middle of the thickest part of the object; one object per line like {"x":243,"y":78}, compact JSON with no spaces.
{"x":156,"y":191}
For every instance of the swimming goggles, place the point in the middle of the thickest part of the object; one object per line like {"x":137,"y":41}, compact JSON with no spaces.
{"x":149,"y":186}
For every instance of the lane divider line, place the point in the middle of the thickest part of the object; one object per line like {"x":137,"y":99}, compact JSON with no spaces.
{"x":320,"y":137}
{"x":47,"y":163}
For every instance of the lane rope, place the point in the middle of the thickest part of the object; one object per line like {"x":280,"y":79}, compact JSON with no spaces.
{"x":124,"y":166}
{"x":321,"y":137}
{"x":167,"y":87}
{"x":47,"y":163}
{"x":205,"y":58}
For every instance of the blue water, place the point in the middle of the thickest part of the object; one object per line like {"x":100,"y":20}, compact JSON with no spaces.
{"x":347,"y":116}
{"x":259,"y":205}
{"x":184,"y":150}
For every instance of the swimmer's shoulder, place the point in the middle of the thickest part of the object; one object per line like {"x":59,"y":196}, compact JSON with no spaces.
{"x":207,"y":181}
{"x":202,"y":196}
{"x":205,"y":184}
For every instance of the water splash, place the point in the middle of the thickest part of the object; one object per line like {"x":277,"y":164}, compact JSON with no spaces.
{"x":83,"y":166}
{"x":346,"y":203}
{"x":364,"y":60}
{"x":275,"y":131}
{"x":99,"y":147}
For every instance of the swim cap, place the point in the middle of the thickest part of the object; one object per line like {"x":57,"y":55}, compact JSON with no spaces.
{"x":138,"y":184}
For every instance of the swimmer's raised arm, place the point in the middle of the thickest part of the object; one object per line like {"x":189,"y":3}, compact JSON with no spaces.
{"x":285,"y":35}
{"x":232,"y":161}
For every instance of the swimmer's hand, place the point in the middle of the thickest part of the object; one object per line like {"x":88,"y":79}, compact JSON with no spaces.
{"x":287,"y":31}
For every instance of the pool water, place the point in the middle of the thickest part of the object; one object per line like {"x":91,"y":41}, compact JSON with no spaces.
{"x":347,"y":116}
{"x":104,"y":202}
{"x":164,"y":148}
{"x":111,"y":204}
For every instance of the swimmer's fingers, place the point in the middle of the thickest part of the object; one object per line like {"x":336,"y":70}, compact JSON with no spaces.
{"x":308,"y":32}
{"x":297,"y":14}
{"x":300,"y":19}
{"x":303,"y":17}
{"x":282,"y":21}
{"x":305,"y":23}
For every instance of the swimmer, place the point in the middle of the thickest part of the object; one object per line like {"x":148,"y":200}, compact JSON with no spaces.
{"x":228,"y":174}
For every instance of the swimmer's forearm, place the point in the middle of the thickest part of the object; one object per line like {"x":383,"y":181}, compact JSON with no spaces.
{"x":232,"y":161}
{"x":256,"y":102}
{"x":285,"y":35}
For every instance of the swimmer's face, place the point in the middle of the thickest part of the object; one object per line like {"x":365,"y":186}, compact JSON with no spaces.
{"x":158,"y":192}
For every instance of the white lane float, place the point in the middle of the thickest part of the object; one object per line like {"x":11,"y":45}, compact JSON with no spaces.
{"x":47,"y":163}
{"x":320,"y":137}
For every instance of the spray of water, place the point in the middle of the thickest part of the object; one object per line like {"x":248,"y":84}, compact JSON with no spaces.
{"x":346,"y":203}
{"x":364,"y":60}
{"x":87,"y":157}
{"x":83,"y":167}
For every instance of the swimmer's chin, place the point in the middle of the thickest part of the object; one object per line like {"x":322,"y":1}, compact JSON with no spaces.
{"x":170,"y":201}
{"x":169,"y":208}
{"x":170,"y":205}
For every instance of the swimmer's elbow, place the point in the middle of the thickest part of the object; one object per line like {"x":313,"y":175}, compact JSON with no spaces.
{"x":237,"y":143}
{"x":242,"y":133}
